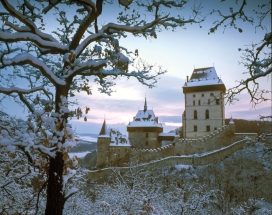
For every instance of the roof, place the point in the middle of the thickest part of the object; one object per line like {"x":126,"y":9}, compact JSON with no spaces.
{"x":103,"y":130}
{"x":231,"y":122}
{"x":145,"y":119}
{"x":204,"y":77}
{"x":117,"y":139}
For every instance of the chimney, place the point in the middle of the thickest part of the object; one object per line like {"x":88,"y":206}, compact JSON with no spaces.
{"x":187,"y":78}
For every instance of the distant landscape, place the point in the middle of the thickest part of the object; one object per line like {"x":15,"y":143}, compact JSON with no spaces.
{"x":86,"y":144}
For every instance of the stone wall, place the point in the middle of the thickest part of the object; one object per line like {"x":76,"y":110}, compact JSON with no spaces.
{"x":196,"y":159}
{"x":222,"y":137}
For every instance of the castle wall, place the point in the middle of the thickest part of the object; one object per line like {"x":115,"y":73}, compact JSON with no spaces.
{"x":200,"y":102}
{"x":201,"y":159}
{"x":222,"y":137}
{"x":118,"y":152}
{"x":144,"y":139}
{"x":103,"y":155}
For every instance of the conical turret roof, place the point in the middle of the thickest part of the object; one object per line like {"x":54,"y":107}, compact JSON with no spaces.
{"x":103,"y":130}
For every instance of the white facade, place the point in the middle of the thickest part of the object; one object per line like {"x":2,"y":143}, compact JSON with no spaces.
{"x":204,"y":103}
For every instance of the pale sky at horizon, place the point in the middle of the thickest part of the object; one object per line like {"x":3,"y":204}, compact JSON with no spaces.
{"x":179,"y":52}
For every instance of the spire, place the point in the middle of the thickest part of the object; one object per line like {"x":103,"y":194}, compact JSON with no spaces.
{"x":231,"y":122}
{"x":103,"y":130}
{"x":145,"y":106}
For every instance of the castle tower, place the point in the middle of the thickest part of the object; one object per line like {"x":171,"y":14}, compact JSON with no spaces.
{"x":204,"y":103}
{"x":103,"y":142}
{"x":143,"y":131}
{"x":232,"y":125}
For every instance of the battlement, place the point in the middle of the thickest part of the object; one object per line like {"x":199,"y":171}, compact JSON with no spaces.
{"x":193,"y":159}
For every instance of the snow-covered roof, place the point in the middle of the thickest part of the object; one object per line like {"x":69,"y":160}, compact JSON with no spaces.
{"x":231,"y":122}
{"x":167,"y":134}
{"x":145,"y":118}
{"x":203,"y":77}
{"x":117,"y":139}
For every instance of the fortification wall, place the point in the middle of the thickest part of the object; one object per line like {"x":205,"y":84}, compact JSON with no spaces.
{"x":200,"y":159}
{"x":146,"y":155}
{"x":222,"y":137}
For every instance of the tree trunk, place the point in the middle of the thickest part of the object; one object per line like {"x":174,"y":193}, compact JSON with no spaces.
{"x":55,"y":196}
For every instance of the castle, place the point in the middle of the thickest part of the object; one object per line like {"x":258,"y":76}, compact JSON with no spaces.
{"x":204,"y":103}
{"x":203,"y":130}
{"x":144,"y":132}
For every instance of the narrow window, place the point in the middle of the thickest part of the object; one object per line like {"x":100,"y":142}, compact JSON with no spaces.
{"x":217,"y":101}
{"x":207,"y":114}
{"x":202,"y":95}
{"x":194,"y":102}
{"x":209,"y":101}
{"x":195,"y":114}
{"x":198,"y":102}
{"x":146,"y":143}
{"x":208,"y":128}
{"x":193,"y":95}
{"x":195,"y":127}
{"x":146,"y":135}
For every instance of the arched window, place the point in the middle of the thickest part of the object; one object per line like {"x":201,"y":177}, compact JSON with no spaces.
{"x":207,"y":114}
{"x":195,"y":114}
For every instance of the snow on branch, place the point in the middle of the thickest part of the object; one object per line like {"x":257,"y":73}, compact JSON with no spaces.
{"x":31,"y":25}
{"x":27,"y":36}
{"x":26,"y":58}
{"x":11,"y":90}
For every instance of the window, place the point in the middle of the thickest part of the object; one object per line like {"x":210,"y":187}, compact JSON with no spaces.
{"x":208,"y":128}
{"x":207,"y":114}
{"x":198,"y":102}
{"x":146,"y":135}
{"x":209,"y":101}
{"x":146,"y":143}
{"x":195,"y":114}
{"x":217,"y":101}
{"x":194,"y":102}
{"x":195,"y":127}
{"x":211,"y":94}
{"x":193,"y":95}
{"x":202,"y":95}
{"x":215,"y":128}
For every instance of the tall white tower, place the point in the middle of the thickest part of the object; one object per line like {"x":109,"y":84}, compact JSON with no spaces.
{"x":204,"y":103}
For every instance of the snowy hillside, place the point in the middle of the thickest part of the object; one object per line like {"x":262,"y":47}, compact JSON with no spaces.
{"x":240,"y":184}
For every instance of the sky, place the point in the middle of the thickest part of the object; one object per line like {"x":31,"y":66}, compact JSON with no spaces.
{"x":178,"y":52}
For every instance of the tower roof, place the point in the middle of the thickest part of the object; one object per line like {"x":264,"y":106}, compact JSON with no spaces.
{"x":103,"y":130}
{"x":204,"y":79}
{"x":145,"y":119}
{"x":231,"y":122}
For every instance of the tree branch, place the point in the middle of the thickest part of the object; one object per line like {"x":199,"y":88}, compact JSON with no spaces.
{"x":26,"y":58}
{"x":96,"y":11}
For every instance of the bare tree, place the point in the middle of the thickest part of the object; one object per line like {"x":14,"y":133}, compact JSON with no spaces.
{"x":42,"y":70}
{"x":257,"y":56}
